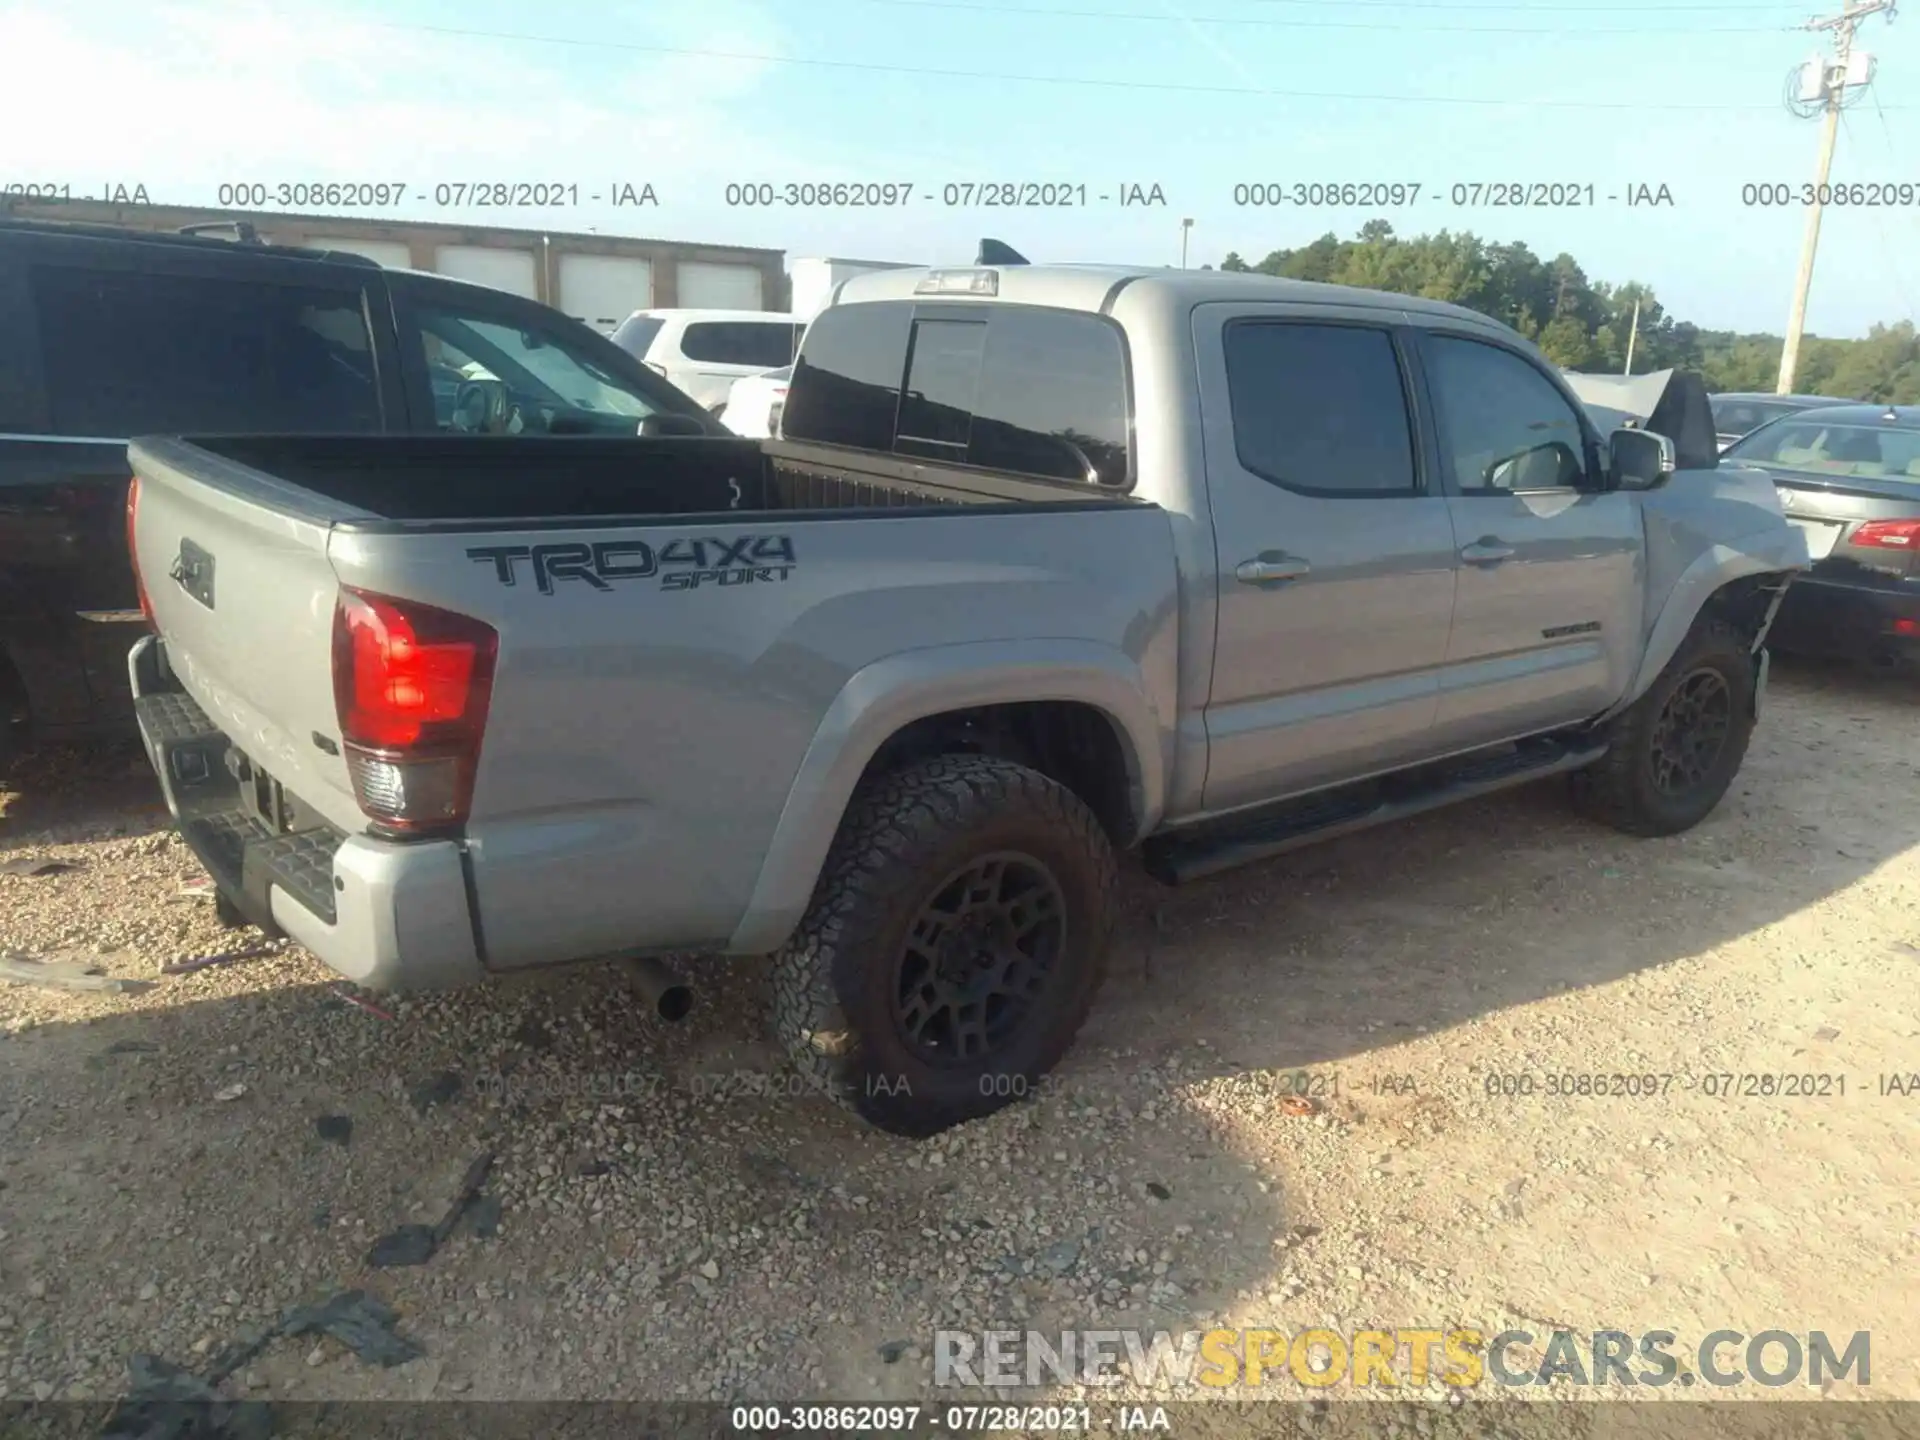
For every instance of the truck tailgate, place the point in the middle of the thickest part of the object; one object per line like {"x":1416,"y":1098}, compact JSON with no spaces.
{"x":235,"y":569}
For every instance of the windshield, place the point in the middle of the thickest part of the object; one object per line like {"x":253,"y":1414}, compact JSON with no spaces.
{"x":548,"y":386}
{"x":577,"y":381}
{"x":1822,"y":448}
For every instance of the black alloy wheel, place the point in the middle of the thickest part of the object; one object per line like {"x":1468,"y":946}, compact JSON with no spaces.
{"x":1691,"y":732}
{"x":978,"y":956}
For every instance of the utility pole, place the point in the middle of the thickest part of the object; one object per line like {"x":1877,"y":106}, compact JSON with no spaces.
{"x":1632,"y":335}
{"x":1833,"y":82}
{"x":1186,"y":228}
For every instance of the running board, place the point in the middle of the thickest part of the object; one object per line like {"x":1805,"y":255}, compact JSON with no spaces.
{"x":1181,"y":856}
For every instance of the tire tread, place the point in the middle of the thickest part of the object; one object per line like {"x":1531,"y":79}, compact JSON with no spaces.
{"x":892,"y":819}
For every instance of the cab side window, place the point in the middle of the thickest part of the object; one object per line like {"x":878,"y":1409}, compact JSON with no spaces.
{"x":129,"y":353}
{"x":1320,"y":409}
{"x":1504,"y":427}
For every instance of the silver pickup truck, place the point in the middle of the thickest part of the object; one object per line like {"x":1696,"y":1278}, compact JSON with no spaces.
{"x":1048,"y":563}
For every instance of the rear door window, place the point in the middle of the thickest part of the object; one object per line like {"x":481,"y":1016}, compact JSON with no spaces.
{"x":1320,"y":409}
{"x":129,"y":353}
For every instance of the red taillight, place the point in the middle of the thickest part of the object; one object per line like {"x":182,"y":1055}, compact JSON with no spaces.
{"x":411,"y":684}
{"x":133,"y":552}
{"x":1888,"y":535}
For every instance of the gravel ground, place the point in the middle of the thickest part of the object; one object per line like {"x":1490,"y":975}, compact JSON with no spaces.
{"x":185,"y":1159}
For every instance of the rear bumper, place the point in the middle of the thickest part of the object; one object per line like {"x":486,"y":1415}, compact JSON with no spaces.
{"x":1827,"y":617}
{"x":387,"y":916}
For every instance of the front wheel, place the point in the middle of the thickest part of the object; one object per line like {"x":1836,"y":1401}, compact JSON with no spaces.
{"x":1674,"y":752}
{"x":954,"y":944}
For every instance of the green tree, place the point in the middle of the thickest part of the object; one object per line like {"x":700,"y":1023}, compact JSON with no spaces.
{"x":1582,"y":323}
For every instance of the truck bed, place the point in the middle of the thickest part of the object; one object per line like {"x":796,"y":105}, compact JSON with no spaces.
{"x":379,"y":482}
{"x":686,"y":630}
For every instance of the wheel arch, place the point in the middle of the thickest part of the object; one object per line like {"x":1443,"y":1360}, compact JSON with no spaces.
{"x":1736,"y":584}
{"x":1077,"y":711}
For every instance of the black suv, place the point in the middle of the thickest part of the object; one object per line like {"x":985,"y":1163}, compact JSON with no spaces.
{"x":107,"y":334}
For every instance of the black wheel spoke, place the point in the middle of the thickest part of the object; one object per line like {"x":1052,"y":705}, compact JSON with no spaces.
{"x":1691,"y":732}
{"x":978,"y":959}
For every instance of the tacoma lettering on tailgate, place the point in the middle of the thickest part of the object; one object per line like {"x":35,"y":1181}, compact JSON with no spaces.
{"x":682,"y":564}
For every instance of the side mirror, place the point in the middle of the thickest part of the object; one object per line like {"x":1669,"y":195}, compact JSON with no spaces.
{"x":1639,"y":459}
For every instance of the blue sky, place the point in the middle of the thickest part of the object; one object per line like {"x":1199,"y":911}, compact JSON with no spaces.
{"x":1195,"y":96}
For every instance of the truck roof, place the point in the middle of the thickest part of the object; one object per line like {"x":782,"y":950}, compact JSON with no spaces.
{"x":1088,"y":287}
{"x":196,"y":239}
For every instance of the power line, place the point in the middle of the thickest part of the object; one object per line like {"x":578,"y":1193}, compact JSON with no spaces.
{"x":1042,"y":12}
{"x":1880,"y":232}
{"x":1083,"y":81}
{"x":1529,"y":5}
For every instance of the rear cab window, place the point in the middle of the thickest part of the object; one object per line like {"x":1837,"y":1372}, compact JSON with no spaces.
{"x":1010,"y":388}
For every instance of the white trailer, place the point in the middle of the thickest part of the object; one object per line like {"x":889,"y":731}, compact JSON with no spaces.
{"x":814,"y":278}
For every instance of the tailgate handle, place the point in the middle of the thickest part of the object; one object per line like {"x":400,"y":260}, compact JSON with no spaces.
{"x":193,"y":572}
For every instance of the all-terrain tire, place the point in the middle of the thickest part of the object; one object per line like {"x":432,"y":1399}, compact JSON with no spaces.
{"x":1622,"y":789}
{"x":907,"y":835}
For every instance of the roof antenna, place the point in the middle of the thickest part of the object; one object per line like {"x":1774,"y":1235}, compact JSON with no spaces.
{"x":998,"y":252}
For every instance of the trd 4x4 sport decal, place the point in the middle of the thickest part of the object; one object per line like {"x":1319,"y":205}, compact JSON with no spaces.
{"x":681,"y":564}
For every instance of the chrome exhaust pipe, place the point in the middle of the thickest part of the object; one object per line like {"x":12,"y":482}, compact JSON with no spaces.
{"x":670,"y":996}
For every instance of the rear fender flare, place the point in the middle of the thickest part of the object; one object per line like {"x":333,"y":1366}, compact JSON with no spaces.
{"x":1715,"y":568}
{"x":884,"y":697}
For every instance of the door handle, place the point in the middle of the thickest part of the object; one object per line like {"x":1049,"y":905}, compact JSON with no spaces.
{"x":1488,"y":551}
{"x":1268,"y":568}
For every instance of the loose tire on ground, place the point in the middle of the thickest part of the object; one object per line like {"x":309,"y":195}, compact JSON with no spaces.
{"x":917,"y":845}
{"x":1710,"y":676}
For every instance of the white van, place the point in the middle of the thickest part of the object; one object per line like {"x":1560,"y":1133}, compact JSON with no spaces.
{"x":704,"y":351}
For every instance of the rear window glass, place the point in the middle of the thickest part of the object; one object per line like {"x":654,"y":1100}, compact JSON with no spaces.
{"x":1738,"y":417}
{"x":761,"y":344}
{"x":1820,"y":448}
{"x":1053,"y":397}
{"x":131,"y":354}
{"x":635,"y":334}
{"x":943,"y":386}
{"x":1021,"y":389}
{"x":846,"y":383}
